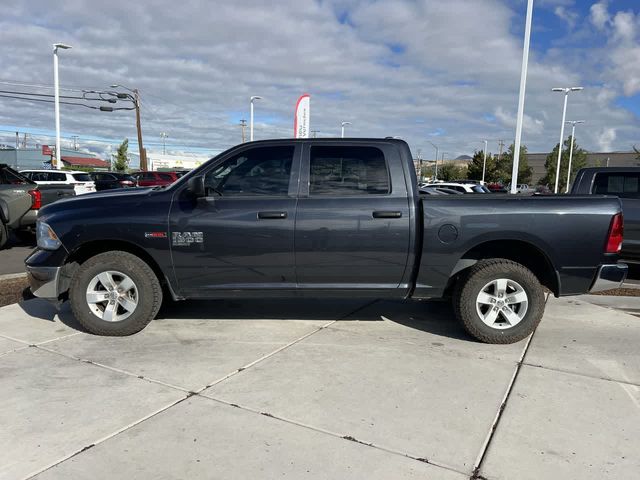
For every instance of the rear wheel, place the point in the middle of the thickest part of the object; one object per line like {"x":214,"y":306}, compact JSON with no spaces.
{"x":115,"y":293}
{"x":499,"y":301}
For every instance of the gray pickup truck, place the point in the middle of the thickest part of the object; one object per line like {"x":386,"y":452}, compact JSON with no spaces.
{"x":621,"y":182}
{"x":20,"y":199}
{"x":322,"y":218}
{"x":19,"y":202}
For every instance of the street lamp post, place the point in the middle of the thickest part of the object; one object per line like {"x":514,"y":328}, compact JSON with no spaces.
{"x":342,"y":129}
{"x":484,"y":162}
{"x":164,"y":137}
{"x":523,"y":88}
{"x":254,"y":97}
{"x":435,"y":174}
{"x":136,"y":103}
{"x":56,"y":92}
{"x":573,"y":133}
{"x":566,"y":91}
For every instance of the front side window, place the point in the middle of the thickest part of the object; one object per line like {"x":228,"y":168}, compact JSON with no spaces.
{"x":339,"y":171}
{"x":624,"y":185}
{"x":255,"y":172}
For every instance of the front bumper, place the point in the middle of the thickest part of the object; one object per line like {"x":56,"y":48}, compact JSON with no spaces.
{"x":44,"y":281}
{"x":609,"y":277}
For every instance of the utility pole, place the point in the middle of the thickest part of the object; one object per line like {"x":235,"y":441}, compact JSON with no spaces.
{"x":136,"y":103}
{"x":164,"y":136}
{"x":17,"y":140}
{"x":500,"y":145}
{"x":142,"y":152}
{"x":243,"y":125}
{"x":76,"y":143}
{"x":24,"y":140}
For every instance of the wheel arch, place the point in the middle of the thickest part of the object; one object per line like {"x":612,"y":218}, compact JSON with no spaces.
{"x":520,"y":251}
{"x":95,"y":247}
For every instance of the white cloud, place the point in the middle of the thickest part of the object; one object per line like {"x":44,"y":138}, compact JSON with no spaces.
{"x":606,"y":136}
{"x":600,"y":15}
{"x":567,"y":15}
{"x":393,"y":67}
{"x":530,"y":125}
{"x":624,"y":25}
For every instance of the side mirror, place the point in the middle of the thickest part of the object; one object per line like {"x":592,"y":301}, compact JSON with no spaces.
{"x":195,"y":186}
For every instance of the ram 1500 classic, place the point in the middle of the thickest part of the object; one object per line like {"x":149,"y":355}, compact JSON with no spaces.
{"x":322,"y":217}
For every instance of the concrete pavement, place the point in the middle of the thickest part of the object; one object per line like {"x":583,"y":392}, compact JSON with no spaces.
{"x":319,"y":389}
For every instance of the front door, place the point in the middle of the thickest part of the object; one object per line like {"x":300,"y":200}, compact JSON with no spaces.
{"x":352,"y":228}
{"x":240,"y":236}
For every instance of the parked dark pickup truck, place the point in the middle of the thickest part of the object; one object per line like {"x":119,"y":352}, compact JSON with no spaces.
{"x":624,"y":183}
{"x":322,"y":217}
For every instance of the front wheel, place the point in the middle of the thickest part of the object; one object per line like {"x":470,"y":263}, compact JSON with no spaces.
{"x":499,"y":301}
{"x":115,"y":293}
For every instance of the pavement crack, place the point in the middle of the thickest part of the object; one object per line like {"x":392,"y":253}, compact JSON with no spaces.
{"x":475,"y":475}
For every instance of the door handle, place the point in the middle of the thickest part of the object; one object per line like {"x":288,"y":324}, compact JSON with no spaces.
{"x":267,"y":215}
{"x":386,"y":214}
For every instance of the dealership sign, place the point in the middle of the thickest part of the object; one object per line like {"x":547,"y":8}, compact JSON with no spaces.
{"x":301,"y":119}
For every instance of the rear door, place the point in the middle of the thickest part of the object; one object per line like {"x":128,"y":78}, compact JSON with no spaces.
{"x":626,"y":186}
{"x":352,"y":222}
{"x":239,"y":238}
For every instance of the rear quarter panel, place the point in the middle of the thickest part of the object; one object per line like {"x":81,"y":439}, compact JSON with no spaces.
{"x":571,"y":232}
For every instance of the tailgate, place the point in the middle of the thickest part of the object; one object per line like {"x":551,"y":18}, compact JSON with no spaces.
{"x":51,"y":193}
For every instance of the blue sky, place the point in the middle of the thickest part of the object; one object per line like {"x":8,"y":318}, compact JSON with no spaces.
{"x":439,"y":71}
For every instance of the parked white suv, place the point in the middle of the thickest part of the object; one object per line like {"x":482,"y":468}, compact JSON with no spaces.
{"x":460,"y":187}
{"x":81,"y":181}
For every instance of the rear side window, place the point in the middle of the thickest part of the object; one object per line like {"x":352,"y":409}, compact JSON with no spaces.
{"x":166,"y":176}
{"x":340,"y":171}
{"x":56,"y":177}
{"x":81,"y":177}
{"x":624,"y":185}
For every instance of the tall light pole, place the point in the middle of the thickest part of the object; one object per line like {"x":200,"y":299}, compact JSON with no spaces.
{"x":136,"y":102}
{"x":523,"y":88}
{"x":573,"y":133}
{"x":342,"y":129}
{"x":56,"y":87}
{"x":254,"y":97}
{"x":164,"y":136}
{"x":435,"y":174}
{"x":566,"y":91}
{"x":484,"y":162}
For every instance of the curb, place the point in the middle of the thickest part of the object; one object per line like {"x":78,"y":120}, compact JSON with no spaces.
{"x":11,"y":276}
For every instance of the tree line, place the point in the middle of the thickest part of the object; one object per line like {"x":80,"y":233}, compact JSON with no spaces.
{"x":498,"y":167}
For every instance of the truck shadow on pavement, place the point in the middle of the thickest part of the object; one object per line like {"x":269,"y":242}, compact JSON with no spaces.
{"x":433,"y":317}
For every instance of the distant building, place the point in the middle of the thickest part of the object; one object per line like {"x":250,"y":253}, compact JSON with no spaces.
{"x":160,"y":162}
{"x":32,"y":158}
{"x":594,"y":159}
{"x":84,"y":162}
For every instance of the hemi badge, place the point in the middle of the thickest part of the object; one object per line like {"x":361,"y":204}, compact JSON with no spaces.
{"x":155,"y":234}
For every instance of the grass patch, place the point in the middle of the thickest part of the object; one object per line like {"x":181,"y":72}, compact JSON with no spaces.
{"x":13,"y":290}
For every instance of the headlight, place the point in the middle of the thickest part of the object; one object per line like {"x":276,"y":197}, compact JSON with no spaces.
{"x":47,"y":238}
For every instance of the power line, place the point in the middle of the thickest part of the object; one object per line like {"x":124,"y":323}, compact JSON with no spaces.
{"x":67,"y":103}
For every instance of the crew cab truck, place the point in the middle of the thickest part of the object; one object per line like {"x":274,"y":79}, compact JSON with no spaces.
{"x":624,"y":183}
{"x":322,"y":218}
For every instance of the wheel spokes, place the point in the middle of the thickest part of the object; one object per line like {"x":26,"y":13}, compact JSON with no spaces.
{"x":486,"y":298}
{"x":127,"y":303}
{"x":110,"y":314}
{"x":106,"y":279}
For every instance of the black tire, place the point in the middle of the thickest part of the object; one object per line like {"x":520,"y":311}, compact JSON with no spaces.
{"x":468,"y":288}
{"x":149,"y":293}
{"x":4,"y":235}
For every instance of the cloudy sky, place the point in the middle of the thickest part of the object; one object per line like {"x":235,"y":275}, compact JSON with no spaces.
{"x":441,"y":71}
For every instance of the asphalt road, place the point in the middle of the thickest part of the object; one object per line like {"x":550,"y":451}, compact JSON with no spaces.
{"x":13,"y":255}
